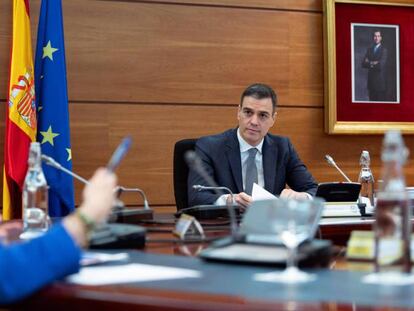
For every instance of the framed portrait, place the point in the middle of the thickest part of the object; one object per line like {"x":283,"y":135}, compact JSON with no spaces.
{"x":369,"y":68}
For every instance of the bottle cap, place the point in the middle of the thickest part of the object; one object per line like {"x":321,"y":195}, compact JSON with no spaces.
{"x":393,"y":137}
{"x":393,"y":147}
{"x":34,"y":153}
{"x":365,"y":159}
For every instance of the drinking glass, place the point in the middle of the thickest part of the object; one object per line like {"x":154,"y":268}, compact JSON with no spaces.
{"x":294,"y":221}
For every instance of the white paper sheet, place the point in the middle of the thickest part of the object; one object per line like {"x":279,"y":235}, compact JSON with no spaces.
{"x":340,"y":209}
{"x":259,"y":193}
{"x":129,"y":273}
{"x":94,"y":258}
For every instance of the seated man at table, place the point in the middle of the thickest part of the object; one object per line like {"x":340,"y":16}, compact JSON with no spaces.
{"x":26,"y":267}
{"x":248,"y":154}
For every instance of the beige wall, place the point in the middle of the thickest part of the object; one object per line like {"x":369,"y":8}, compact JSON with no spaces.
{"x":166,"y":71}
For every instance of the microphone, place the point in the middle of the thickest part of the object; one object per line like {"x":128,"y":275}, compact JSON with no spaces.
{"x":119,"y":210}
{"x":121,"y":189}
{"x":52,"y":162}
{"x":331,"y":162}
{"x":194,"y":162}
{"x":233,"y":224}
{"x":115,"y":236}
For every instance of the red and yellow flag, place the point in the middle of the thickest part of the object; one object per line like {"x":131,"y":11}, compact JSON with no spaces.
{"x":20,"y":112}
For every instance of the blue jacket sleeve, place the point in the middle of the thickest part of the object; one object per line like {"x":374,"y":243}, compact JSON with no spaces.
{"x":27,"y":267}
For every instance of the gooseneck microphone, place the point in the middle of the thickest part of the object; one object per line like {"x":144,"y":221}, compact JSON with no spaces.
{"x":119,"y":208}
{"x":52,"y":162}
{"x":121,"y":189}
{"x":331,"y":162}
{"x":194,"y":162}
{"x":232,"y":214}
{"x":110,"y":236}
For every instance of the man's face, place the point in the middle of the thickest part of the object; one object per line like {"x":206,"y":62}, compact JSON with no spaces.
{"x":377,"y":37}
{"x":255,"y":117}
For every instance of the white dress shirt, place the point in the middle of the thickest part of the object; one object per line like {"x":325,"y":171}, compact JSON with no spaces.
{"x":244,"y":154}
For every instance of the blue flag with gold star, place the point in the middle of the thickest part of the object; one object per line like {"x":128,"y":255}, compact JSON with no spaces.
{"x":53,"y":131}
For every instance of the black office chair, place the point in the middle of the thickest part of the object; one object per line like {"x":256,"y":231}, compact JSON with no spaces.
{"x":180,"y":171}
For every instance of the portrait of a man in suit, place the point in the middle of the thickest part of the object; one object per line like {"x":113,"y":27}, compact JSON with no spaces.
{"x":375,"y":63}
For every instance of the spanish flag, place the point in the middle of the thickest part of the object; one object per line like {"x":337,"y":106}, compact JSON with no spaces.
{"x":21,"y":124}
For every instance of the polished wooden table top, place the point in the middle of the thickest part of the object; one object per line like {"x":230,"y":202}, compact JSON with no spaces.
{"x":161,"y":241}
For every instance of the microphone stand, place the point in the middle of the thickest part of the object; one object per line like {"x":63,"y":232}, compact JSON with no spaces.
{"x":119,"y":209}
{"x":361,"y":206}
{"x":131,"y":215}
{"x":194,"y":162}
{"x":230,"y":206}
{"x":52,"y":162}
{"x":331,"y":161}
{"x":121,"y":189}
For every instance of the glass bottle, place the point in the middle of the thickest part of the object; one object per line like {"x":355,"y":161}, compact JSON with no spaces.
{"x":35,"y":195}
{"x":366,"y":179}
{"x":393,"y":215}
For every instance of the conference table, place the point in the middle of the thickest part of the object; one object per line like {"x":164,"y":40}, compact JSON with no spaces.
{"x":223,"y":286}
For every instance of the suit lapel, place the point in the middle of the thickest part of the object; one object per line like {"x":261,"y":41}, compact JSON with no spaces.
{"x":233,"y":156}
{"x":269,"y":164}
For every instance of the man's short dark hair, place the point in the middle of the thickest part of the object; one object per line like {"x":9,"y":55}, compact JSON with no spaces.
{"x":260,"y":91}
{"x":377,"y":30}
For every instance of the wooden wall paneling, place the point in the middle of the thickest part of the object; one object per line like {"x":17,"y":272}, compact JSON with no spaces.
{"x":305,"y":128}
{"x":303,"y":5}
{"x":5,"y":46}
{"x":89,"y":140}
{"x":161,"y":71}
{"x":162,"y":53}
{"x":305,"y":75}
{"x":155,"y":129}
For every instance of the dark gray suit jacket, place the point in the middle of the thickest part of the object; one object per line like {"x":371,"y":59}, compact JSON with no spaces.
{"x":220,"y":156}
{"x":377,"y":75}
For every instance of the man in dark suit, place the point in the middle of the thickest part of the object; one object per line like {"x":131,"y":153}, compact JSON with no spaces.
{"x":247,"y":154}
{"x":375,"y":61}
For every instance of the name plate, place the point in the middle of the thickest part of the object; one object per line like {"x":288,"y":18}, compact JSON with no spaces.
{"x":187,"y":228}
{"x":361,"y":246}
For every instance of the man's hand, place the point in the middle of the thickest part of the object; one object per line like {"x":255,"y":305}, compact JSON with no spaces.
{"x":242,"y":199}
{"x":291,"y":194}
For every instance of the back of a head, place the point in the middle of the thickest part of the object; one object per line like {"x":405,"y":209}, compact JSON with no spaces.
{"x":260,"y":91}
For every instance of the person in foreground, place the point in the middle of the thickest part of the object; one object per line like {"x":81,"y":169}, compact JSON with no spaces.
{"x":248,"y":154}
{"x":28,"y":266}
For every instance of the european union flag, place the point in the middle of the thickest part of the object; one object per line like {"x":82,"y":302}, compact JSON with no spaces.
{"x":53,"y":131}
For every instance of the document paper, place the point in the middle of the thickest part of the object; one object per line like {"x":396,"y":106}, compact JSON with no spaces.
{"x":129,"y":273}
{"x":259,"y":193}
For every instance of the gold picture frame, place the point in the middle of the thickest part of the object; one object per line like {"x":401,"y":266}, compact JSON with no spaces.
{"x":332,"y":124}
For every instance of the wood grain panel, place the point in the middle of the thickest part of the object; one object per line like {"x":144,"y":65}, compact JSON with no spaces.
{"x":97,"y":129}
{"x":305,"y":5}
{"x":155,"y":129}
{"x":161,"y":72}
{"x":147,"y":52}
{"x":5,"y":44}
